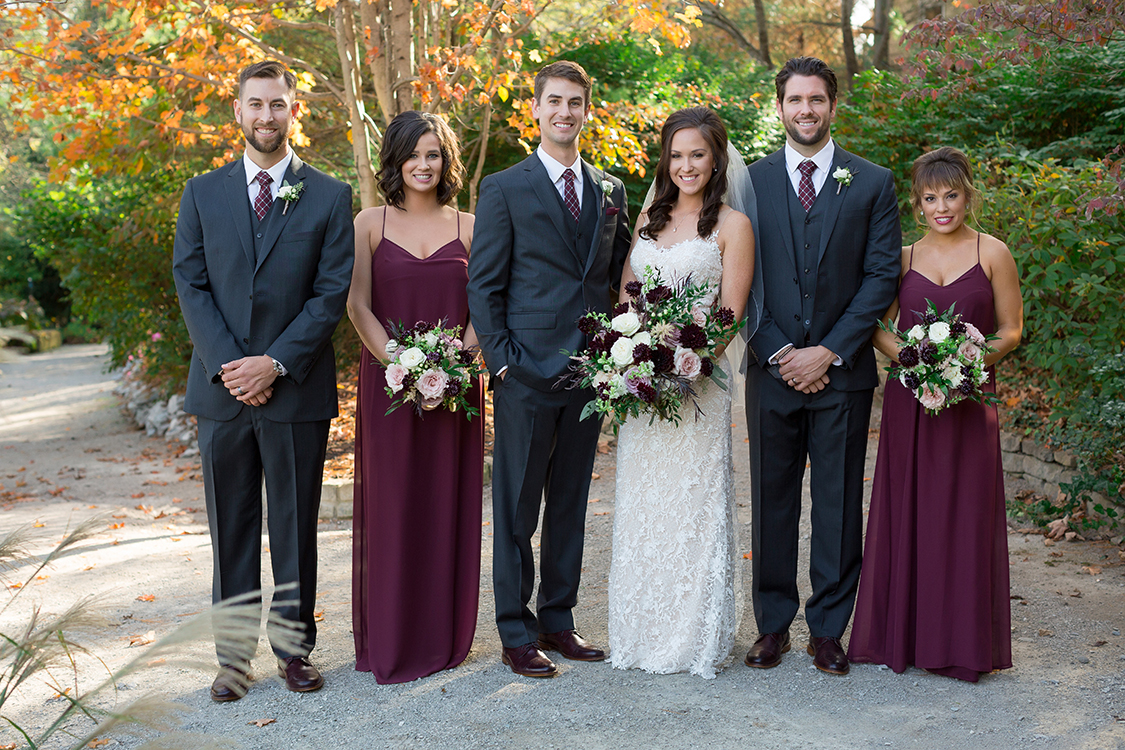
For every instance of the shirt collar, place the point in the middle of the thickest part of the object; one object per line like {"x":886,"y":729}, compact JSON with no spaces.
{"x":277,"y":171}
{"x":555,"y":169}
{"x":822,"y":158}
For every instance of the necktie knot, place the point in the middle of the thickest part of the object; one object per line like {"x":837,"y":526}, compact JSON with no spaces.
{"x":264,"y":199}
{"x":569,"y":176}
{"x":807,"y":167}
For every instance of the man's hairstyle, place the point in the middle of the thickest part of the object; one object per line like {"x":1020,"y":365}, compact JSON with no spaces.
{"x":806,"y":66}
{"x":270,"y":69}
{"x":399,"y":141}
{"x":565,"y":69}
{"x":945,"y":167}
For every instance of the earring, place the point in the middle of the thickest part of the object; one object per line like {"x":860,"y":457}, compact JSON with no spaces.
{"x":714,"y":170}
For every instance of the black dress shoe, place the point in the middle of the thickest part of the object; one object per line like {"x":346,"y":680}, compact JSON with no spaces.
{"x":828,"y":655}
{"x":231,"y":683}
{"x":767,"y":650}
{"x":529,"y":661}
{"x":300,"y":676}
{"x":571,"y":645}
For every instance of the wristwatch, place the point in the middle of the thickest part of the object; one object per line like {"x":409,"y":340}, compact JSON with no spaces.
{"x":277,"y":367}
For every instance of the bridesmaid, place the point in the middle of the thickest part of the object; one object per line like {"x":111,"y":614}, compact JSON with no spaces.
{"x":933,"y":591}
{"x":418,"y":481}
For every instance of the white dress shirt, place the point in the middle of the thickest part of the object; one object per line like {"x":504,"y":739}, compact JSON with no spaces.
{"x":822,"y":159}
{"x":277,"y":172}
{"x":555,"y":172}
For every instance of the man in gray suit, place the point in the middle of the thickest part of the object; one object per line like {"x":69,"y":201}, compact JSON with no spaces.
{"x":262,"y":262}
{"x":551,"y":238}
{"x":829,"y":249}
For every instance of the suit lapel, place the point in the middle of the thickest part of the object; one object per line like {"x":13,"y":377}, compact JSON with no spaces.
{"x":594,"y":178}
{"x":835,"y":192}
{"x":238,"y":198}
{"x":779,"y":188}
{"x":540,"y":182}
{"x":293,"y":175}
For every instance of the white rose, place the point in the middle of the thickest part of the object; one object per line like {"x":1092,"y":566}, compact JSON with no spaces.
{"x":917,"y":333}
{"x":390,"y":348}
{"x":627,"y":323}
{"x":622,"y":351}
{"x":939,"y":332}
{"x":953,"y":375}
{"x":982,"y":377}
{"x":412,"y":357}
{"x":601,"y":377}
{"x":642,"y":337}
{"x":431,"y":339}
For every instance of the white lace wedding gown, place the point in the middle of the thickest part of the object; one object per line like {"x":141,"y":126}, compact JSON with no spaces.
{"x":671,"y":580}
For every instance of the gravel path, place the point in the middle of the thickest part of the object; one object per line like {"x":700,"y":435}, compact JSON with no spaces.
{"x":67,"y":453}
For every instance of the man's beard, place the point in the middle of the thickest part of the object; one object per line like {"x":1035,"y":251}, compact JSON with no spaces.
{"x":799,"y":137}
{"x":282,"y":135}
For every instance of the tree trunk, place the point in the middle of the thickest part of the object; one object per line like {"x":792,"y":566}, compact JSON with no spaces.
{"x":711,"y":14}
{"x":371,"y":15}
{"x":350,"y":64}
{"x":880,"y":53}
{"x":485,"y":127}
{"x":763,"y":32}
{"x":848,"y":39}
{"x":402,"y":54}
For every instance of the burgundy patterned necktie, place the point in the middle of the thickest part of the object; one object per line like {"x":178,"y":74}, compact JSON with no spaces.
{"x":570,"y":197}
{"x":265,"y":198}
{"x":805,"y":190}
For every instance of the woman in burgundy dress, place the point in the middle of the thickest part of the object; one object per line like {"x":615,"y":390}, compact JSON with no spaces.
{"x":418,"y":480}
{"x":933,"y":591}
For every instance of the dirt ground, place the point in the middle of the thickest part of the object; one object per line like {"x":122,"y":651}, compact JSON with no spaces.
{"x":67,"y":453}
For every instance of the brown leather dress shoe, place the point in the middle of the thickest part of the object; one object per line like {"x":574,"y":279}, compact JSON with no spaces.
{"x":300,"y":676}
{"x":767,"y":650}
{"x":828,"y":655}
{"x":571,"y":645}
{"x":529,"y":661}
{"x":231,"y":683}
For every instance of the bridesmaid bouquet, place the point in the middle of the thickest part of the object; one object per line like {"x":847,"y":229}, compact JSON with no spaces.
{"x":649,"y":356}
{"x":430,"y":367}
{"x":942,"y":360}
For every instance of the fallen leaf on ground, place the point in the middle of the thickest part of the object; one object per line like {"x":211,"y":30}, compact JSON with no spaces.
{"x":142,"y":640}
{"x":135,"y":495}
{"x":57,"y":491}
{"x":98,"y":743}
{"x":748,"y":556}
{"x":90,"y":567}
{"x":602,"y":513}
{"x":1099,"y":644}
{"x":1077,"y":594}
{"x":595,"y":475}
{"x":1093,"y":570}
{"x":594,"y":500}
{"x":146,"y":598}
{"x":8,"y":746}
{"x":318,"y":616}
{"x":116,"y":525}
{"x":262,"y":722}
{"x":38,"y":525}
{"x":1044,"y":633}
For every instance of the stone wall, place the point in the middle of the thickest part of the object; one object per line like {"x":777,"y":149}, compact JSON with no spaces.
{"x":1041,"y":468}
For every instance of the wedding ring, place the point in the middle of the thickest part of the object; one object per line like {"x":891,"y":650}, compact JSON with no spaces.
{"x":239,"y":390}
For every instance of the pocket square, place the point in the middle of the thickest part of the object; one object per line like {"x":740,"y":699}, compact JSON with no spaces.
{"x":612,"y":211}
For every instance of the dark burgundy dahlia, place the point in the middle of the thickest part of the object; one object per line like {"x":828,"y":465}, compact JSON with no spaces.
{"x":706,"y":367}
{"x":692,"y":337}
{"x":957,"y":328}
{"x":911,"y":380}
{"x":663,"y":358}
{"x":929,"y":353}
{"x":725,"y":316}
{"x":658,"y":293}
{"x":633,"y":289}
{"x":646,"y":393}
{"x":620,"y":308}
{"x":642,"y":353}
{"x":908,"y":356}
{"x":588,"y":324}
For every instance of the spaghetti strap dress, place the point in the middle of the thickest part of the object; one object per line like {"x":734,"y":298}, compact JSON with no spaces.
{"x":933,"y":590}
{"x":418,"y":483}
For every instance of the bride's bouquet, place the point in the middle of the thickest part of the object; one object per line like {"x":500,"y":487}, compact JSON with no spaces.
{"x":430,"y":367}
{"x":942,"y":360}
{"x":648,"y":358}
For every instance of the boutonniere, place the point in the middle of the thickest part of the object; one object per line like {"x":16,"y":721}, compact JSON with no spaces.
{"x":843,"y":177}
{"x":607,"y":188}
{"x":290,"y":194}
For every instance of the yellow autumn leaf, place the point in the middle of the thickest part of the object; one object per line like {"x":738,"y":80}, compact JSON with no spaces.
{"x":502,"y":92}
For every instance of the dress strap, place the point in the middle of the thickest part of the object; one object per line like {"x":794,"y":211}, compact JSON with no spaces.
{"x":459,"y":224}
{"x":978,"y":248}
{"x":386,"y":209}
{"x":911,"y":265}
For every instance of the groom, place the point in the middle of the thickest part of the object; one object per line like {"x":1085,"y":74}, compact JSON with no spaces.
{"x":829,"y":242}
{"x":551,"y":238}
{"x":262,"y":276}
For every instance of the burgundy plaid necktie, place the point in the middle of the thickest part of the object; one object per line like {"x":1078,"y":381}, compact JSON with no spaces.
{"x":570,"y":197}
{"x":265,"y":198}
{"x":805,"y":190}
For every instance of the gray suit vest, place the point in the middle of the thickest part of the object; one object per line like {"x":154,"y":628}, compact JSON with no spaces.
{"x":806,"y":229}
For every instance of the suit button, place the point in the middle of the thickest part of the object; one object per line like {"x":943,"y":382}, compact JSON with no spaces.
{"x":246,"y":341}
{"x":806,"y":270}
{"x":808,"y":322}
{"x":806,"y":246}
{"x":251,"y":296}
{"x":806,"y":296}
{"x":259,"y":234}
{"x":796,"y":317}
{"x":807,"y":220}
{"x":794,"y":279}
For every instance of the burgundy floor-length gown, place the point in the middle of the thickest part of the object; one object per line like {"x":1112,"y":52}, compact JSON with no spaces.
{"x":933,"y":591}
{"x":417,"y":513}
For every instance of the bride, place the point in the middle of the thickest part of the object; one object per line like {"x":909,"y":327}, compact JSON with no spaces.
{"x":672,"y":575}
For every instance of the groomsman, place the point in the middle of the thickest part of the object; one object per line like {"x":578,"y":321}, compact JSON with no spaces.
{"x":551,"y":238}
{"x":829,"y":253}
{"x":262,"y":262}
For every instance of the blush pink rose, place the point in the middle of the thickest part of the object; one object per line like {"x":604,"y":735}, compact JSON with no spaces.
{"x":931,"y":398}
{"x":969,"y":351}
{"x":699,"y":316}
{"x":974,"y":334}
{"x":431,"y":384}
{"x":687,"y":363}
{"x":395,"y":375}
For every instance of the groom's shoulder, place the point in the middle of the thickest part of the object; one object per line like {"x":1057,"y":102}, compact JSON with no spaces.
{"x":858,"y":162}
{"x":514,"y":172}
{"x":759,"y":166}
{"x":216,"y":175}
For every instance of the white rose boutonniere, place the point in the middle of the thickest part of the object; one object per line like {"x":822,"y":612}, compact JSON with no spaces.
{"x":290,"y":194}
{"x":607,"y":188}
{"x":843,"y":177}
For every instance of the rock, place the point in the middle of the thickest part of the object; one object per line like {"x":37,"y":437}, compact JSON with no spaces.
{"x":1083,"y":659}
{"x":1009,"y":442}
